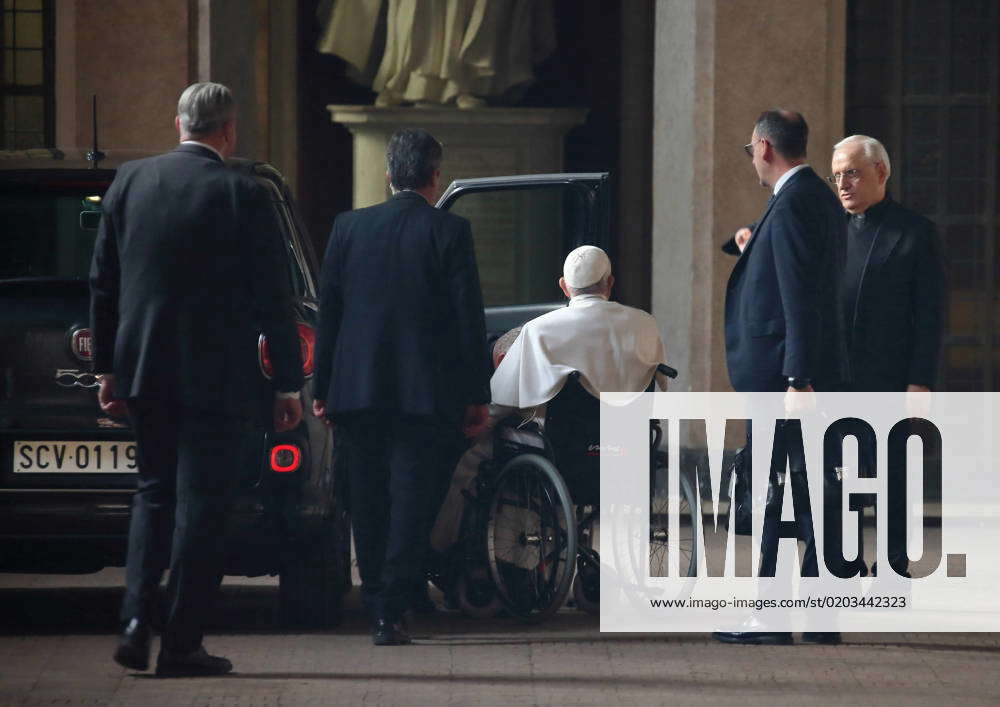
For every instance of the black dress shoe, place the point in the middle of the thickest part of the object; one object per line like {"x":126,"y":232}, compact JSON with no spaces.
{"x":386,"y":633}
{"x":826,"y":638}
{"x":197,"y":663}
{"x":756,"y":638}
{"x":133,"y":646}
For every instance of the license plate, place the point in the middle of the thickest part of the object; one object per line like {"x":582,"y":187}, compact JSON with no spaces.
{"x":74,"y":457}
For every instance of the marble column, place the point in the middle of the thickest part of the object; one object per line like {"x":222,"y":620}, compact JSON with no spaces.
{"x":718,"y":64}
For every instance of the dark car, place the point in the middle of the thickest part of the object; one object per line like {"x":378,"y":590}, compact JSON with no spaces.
{"x":67,"y":471}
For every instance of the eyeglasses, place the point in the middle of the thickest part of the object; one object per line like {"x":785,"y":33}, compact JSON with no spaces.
{"x":849,"y":174}
{"x":748,"y":148}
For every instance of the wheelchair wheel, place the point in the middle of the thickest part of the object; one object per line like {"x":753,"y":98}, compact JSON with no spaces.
{"x":477,"y":594}
{"x":659,"y":531}
{"x":531,"y":537}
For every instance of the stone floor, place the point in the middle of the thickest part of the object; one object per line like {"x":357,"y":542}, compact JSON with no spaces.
{"x":57,"y":634}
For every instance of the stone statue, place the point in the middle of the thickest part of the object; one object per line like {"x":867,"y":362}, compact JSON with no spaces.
{"x":439,"y":51}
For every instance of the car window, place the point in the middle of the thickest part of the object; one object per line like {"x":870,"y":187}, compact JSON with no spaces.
{"x":42,"y":233}
{"x":521,"y":236}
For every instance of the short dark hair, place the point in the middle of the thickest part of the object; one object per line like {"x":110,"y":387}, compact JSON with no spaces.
{"x":786,"y":131}
{"x":411,"y":157}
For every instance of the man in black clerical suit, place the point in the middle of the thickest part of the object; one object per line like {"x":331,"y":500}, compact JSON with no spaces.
{"x":400,"y":369}
{"x":781,"y":320}
{"x":188,"y":269}
{"x":893,"y":293}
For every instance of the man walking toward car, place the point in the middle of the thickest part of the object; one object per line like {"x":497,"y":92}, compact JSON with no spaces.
{"x":189,"y":269}
{"x":401,"y":369}
{"x":781,"y":325}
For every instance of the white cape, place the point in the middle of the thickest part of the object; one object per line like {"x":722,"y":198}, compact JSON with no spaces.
{"x":615,"y":348}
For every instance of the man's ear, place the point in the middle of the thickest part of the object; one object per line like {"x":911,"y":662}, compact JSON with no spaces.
{"x":611,"y":283}
{"x":565,"y":288}
{"x":881,"y":171}
{"x":768,"y":154}
{"x":177,"y":124}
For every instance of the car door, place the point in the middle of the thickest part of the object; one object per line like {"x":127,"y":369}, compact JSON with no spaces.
{"x":523,"y":227}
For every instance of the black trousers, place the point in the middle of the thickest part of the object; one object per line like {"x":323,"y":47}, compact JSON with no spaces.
{"x":800,"y":497}
{"x":397,"y":468}
{"x":189,"y":461}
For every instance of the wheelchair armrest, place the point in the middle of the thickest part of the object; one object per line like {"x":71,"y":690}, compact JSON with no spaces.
{"x":666,"y":370}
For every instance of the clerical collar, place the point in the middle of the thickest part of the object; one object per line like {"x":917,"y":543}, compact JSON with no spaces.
{"x":586,"y":299}
{"x":872,"y":213}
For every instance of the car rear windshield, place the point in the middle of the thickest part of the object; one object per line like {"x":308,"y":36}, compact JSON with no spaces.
{"x":43,"y":227}
{"x":48,"y":229}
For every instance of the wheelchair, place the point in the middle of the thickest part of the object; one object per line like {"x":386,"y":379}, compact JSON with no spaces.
{"x":529,"y":534}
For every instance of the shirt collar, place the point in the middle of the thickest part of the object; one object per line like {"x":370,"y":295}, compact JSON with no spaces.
{"x":786,"y":176}
{"x":585,"y":299}
{"x":206,"y":146}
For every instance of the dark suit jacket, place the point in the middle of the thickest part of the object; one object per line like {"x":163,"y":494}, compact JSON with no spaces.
{"x":401,"y":313}
{"x":898,"y":321}
{"x":189,"y":268}
{"x":781,"y":303}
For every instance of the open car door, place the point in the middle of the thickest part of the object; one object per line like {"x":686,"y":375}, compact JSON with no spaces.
{"x":523,"y":227}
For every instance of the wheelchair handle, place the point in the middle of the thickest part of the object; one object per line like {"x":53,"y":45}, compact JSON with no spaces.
{"x":666,"y":370}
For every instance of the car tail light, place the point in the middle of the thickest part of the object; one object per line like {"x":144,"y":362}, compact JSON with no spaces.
{"x":307,"y":344}
{"x":285,"y":458}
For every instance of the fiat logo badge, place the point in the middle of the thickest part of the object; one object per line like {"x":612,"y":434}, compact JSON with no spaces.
{"x":81,"y":342}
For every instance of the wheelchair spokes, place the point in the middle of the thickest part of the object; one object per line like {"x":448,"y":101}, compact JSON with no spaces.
{"x":530,"y":538}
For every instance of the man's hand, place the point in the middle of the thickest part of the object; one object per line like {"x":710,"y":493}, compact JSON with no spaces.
{"x":799,"y":401}
{"x":287,"y":413}
{"x":475,"y":420}
{"x":742,"y":237}
{"x":319,"y":410}
{"x":918,"y":400}
{"x":106,"y":397}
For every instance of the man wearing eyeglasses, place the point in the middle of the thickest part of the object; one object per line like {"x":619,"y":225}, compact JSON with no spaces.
{"x":893,"y":290}
{"x":781,"y":318}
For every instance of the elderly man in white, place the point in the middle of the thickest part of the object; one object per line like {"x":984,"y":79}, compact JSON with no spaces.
{"x":615,"y":348}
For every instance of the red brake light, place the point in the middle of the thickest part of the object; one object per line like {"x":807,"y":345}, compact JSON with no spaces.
{"x":307,"y":344}
{"x":285,"y":458}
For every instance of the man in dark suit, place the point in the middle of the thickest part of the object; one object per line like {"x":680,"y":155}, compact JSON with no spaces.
{"x":893,"y":293}
{"x":400,"y":368}
{"x":188,"y":269}
{"x":781,"y":327}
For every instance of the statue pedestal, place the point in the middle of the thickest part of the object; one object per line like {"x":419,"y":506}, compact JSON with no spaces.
{"x":479,"y":142}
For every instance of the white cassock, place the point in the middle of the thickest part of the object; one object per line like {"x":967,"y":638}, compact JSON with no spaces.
{"x":615,"y":348}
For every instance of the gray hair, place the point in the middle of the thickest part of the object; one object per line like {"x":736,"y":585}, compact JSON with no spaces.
{"x":204,"y":108}
{"x":598,"y":288}
{"x":872,"y":148}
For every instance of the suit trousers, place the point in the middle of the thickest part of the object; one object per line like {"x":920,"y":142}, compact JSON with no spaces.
{"x":189,"y":461}
{"x":773,"y":525}
{"x":398,"y":468}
